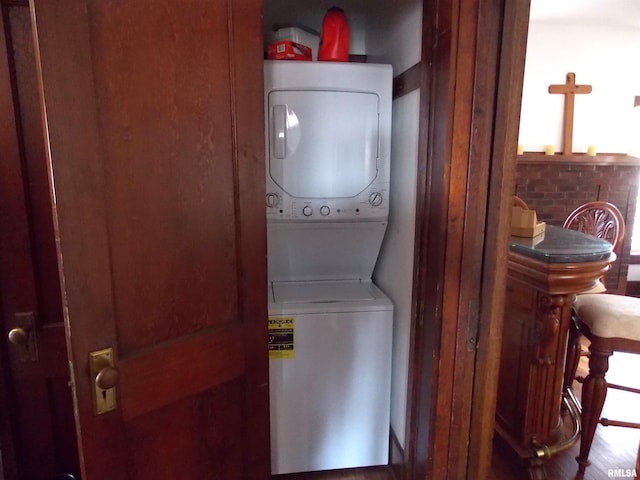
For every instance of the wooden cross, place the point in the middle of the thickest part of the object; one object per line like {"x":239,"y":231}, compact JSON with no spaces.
{"x":569,"y":89}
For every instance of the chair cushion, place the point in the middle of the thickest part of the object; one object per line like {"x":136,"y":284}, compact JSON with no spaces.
{"x":609,"y":316}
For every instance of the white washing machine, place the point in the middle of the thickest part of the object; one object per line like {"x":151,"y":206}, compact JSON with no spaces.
{"x":330,"y":328}
{"x":330,"y":375}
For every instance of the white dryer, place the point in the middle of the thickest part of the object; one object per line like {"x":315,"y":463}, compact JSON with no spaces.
{"x":328,"y":141}
{"x":330,"y":328}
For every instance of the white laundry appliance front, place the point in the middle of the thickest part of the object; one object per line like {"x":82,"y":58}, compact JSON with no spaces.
{"x":329,"y":389}
{"x":330,"y":328}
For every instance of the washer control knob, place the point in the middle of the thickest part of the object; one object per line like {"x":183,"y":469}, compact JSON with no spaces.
{"x":272,"y":200}
{"x":325,"y":210}
{"x":307,"y":211}
{"x":375,"y":199}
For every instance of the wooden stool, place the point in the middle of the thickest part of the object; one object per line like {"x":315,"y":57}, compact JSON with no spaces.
{"x":612,"y":324}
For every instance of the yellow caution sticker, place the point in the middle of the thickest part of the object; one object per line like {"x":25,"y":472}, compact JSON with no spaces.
{"x":281,"y":337}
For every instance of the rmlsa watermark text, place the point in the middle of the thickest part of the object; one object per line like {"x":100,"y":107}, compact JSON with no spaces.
{"x":622,"y":473}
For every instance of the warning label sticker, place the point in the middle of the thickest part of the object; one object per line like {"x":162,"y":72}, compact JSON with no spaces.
{"x":281,"y":337}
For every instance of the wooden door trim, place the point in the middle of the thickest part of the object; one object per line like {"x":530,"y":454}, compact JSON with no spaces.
{"x":252,"y":226}
{"x":432,"y":196}
{"x":39,"y":404}
{"x":10,"y":184}
{"x":463,"y":181}
{"x":512,"y":49}
{"x":456,"y":186}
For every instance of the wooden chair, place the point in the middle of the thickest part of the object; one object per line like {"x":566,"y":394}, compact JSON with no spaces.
{"x":610,"y":322}
{"x":600,"y":219}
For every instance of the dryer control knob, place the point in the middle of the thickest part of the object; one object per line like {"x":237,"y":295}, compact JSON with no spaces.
{"x":307,"y":211}
{"x":325,"y":210}
{"x":272,"y":200}
{"x":375,"y":199}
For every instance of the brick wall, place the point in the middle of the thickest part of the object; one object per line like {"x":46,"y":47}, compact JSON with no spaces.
{"x":555,"y":187}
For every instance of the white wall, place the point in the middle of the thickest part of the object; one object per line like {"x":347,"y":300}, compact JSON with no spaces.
{"x":394,"y":33}
{"x":394,"y":271}
{"x":602,"y":55}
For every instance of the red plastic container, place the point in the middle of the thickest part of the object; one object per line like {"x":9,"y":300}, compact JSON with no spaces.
{"x":288,"y":50}
{"x":334,"y":40}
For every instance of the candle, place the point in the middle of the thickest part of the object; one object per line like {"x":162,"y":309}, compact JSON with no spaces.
{"x":549,"y":150}
{"x":520,"y":149}
{"x":591,"y":150}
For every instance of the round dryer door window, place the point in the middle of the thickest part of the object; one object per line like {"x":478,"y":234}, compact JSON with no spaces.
{"x":323,"y":144}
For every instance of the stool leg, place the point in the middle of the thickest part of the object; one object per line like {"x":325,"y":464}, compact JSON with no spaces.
{"x":573,"y":354}
{"x":594,"y":391}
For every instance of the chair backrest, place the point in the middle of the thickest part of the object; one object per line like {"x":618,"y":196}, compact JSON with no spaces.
{"x":600,"y":219}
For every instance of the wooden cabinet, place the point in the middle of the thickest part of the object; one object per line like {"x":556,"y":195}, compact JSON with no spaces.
{"x":542,"y":281}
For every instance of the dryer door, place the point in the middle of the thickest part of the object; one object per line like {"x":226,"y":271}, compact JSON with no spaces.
{"x":323,"y":144}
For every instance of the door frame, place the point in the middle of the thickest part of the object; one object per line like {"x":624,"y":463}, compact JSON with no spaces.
{"x":16,"y":268}
{"x":472,"y":70}
{"x":501,"y":185}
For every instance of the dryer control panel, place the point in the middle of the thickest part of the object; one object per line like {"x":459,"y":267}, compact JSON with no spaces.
{"x":371,"y":204}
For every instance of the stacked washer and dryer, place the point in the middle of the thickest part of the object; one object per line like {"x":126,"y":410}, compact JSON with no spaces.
{"x":330,"y":328}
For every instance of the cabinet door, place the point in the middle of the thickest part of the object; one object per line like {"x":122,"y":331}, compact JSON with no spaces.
{"x":154,"y":120}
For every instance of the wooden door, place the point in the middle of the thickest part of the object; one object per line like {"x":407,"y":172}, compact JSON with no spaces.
{"x":154,"y":122}
{"x":36,"y":397}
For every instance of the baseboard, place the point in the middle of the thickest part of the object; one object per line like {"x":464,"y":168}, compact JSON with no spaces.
{"x":397,"y":460}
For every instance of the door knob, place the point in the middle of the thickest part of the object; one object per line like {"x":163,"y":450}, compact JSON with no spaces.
{"x":107,"y":378}
{"x":18,"y":336}
{"x":23,"y":335}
